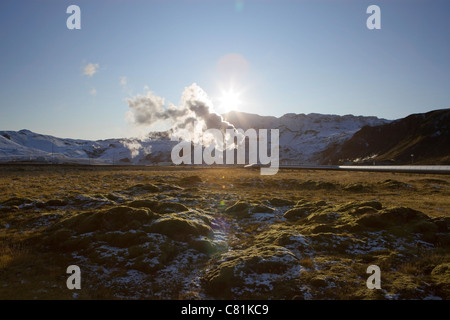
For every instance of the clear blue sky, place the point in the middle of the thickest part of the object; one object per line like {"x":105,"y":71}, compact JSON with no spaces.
{"x":281,"y":56}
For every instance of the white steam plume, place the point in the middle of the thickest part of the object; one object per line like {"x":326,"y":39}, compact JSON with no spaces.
{"x":194,"y":114}
{"x":133,"y":145}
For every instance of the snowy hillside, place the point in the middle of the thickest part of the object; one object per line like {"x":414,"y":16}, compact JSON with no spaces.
{"x":421,"y":138}
{"x":302,"y":138}
{"x":25,"y":145}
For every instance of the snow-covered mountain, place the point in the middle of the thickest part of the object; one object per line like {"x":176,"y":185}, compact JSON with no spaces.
{"x":302,"y":139}
{"x":25,"y":145}
{"x":421,"y":138}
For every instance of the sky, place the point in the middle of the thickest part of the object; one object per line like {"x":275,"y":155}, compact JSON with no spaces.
{"x":269,"y":57}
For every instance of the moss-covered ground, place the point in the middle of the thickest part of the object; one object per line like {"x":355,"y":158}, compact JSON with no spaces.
{"x":215,"y":233}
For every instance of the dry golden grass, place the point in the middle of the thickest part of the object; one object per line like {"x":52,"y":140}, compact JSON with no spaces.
{"x":307,"y":263}
{"x":429,"y":193}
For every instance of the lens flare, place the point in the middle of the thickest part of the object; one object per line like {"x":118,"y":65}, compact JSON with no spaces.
{"x":230,"y":100}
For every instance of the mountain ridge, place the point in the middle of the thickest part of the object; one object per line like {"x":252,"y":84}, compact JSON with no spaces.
{"x":419,"y":138}
{"x":304,"y":139}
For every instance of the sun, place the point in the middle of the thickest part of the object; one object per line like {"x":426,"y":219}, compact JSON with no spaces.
{"x":229,"y":100}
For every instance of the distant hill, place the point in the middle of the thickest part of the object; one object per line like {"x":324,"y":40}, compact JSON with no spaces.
{"x":304,"y":139}
{"x":28,"y":146}
{"x":419,"y":138}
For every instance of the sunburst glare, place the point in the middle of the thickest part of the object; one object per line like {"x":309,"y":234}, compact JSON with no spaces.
{"x":230,"y":100}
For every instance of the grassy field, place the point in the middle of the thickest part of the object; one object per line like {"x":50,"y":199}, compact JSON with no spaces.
{"x":214,"y":233}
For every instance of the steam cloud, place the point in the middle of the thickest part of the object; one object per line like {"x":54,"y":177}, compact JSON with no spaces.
{"x":135,"y":147}
{"x":196,"y":110}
